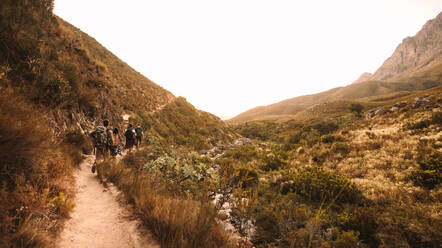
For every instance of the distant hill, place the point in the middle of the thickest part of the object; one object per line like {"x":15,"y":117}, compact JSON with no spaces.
{"x":415,"y":65}
{"x":364,"y":77}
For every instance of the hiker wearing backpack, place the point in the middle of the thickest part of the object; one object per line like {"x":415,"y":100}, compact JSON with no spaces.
{"x":115,"y":148}
{"x":139,"y":133}
{"x":130,"y":135}
{"x":102,"y":139}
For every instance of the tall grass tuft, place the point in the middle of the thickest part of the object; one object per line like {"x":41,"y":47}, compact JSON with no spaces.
{"x":31,"y":167}
{"x":176,"y":220}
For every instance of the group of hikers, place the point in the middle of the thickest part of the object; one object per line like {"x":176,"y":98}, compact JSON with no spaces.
{"x":107,"y":142}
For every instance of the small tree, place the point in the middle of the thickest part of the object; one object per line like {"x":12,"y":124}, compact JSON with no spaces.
{"x":357,"y":108}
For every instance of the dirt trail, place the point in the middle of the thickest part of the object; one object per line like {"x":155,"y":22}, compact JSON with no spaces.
{"x":99,"y":220}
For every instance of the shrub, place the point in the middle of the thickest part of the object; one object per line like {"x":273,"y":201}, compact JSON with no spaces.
{"x":419,"y":125}
{"x":56,"y":91}
{"x":245,"y":176}
{"x":332,"y":138}
{"x":326,"y":127}
{"x":346,"y":240}
{"x":357,"y":108}
{"x":32,"y":168}
{"x":243,"y":154}
{"x":437,"y":118}
{"x":340,"y":147}
{"x":429,"y":173}
{"x":62,"y":204}
{"x":316,"y":185}
{"x":176,"y":220}
{"x":275,"y":160}
{"x":272,"y":162}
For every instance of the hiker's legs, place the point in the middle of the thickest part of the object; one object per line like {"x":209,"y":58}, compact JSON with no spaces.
{"x":101,"y":157}
{"x":138,"y":142}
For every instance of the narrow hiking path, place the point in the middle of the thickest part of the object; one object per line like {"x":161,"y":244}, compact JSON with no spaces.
{"x":99,"y":220}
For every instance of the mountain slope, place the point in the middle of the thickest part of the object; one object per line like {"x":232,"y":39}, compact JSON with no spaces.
{"x":291,"y":107}
{"x":56,"y":84}
{"x":415,"y":54}
{"x":415,"y":65}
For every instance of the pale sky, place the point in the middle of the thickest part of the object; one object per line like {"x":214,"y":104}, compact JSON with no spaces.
{"x":228,"y":56}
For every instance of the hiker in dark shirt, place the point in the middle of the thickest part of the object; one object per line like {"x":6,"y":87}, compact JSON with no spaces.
{"x":139,"y":133}
{"x":130,"y":137}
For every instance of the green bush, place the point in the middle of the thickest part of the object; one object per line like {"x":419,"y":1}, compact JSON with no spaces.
{"x":243,"y":154}
{"x":429,"y":173}
{"x":340,"y":147}
{"x":325,"y":127}
{"x":276,"y":160}
{"x":56,"y":91}
{"x":346,"y":240}
{"x":437,"y":118}
{"x":245,"y":176}
{"x":318,"y":185}
{"x":332,"y":138}
{"x":357,"y":108}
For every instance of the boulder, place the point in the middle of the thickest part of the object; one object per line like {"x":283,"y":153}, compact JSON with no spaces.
{"x":373,"y":112}
{"x":393,"y":109}
{"x":419,"y":102}
{"x":242,"y":142}
{"x":400,"y":104}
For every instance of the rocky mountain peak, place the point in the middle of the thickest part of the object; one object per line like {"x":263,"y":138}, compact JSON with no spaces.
{"x":414,"y":52}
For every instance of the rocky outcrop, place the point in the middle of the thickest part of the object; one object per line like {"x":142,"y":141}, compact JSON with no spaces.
{"x":415,"y":51}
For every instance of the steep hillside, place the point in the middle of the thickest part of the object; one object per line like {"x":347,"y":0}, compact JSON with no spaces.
{"x":56,"y":84}
{"x":415,"y":54}
{"x":415,"y":65}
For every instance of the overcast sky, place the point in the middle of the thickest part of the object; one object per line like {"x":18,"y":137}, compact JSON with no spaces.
{"x":228,"y":56}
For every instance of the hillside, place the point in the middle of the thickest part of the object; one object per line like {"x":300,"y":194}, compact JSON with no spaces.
{"x":415,"y":65}
{"x":291,"y":107}
{"x":334,"y":179}
{"x":56,"y":84}
{"x":415,"y":55}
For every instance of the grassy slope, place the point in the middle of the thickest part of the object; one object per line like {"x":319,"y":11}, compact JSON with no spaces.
{"x":57,"y":82}
{"x":376,"y":154}
{"x":289,"y":108}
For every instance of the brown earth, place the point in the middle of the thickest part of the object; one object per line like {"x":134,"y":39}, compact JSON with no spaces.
{"x":100,"y":218}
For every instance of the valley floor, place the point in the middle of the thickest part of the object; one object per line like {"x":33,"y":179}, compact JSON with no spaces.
{"x":99,"y":220}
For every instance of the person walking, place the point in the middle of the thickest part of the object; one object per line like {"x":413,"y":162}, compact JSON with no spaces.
{"x":139,"y":133}
{"x":102,"y":139}
{"x":130,"y":137}
{"x":115,"y":149}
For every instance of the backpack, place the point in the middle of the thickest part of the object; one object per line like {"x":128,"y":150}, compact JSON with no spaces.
{"x":139,"y":132}
{"x":130,"y":134}
{"x":100,"y":137}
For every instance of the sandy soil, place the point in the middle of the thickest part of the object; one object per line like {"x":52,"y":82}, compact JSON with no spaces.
{"x":99,"y":220}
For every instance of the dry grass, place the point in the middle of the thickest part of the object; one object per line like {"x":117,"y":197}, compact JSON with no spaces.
{"x":176,"y":220}
{"x":32,"y":171}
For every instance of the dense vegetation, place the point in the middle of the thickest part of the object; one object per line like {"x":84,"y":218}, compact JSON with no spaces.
{"x":56,"y":83}
{"x":329,"y":178}
{"x":171,"y":193}
{"x":347,"y":182}
{"x":181,"y":124}
{"x":34,"y":176}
